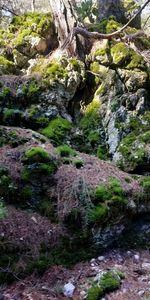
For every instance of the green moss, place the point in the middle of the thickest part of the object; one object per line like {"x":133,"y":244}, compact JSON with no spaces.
{"x":36,"y":155}
{"x":98,"y":214}
{"x":111,"y":193}
{"x":57,"y":130}
{"x":102,"y":152}
{"x":109,"y":282}
{"x":94,"y":293}
{"x":6,"y":66}
{"x":127,"y":57}
{"x":78,"y":163}
{"x":12,"y":116}
{"x":20,"y":40}
{"x":90,"y":125}
{"x":31,"y":24}
{"x":66,"y":151}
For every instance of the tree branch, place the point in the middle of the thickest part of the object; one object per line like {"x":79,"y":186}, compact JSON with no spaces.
{"x":96,"y":35}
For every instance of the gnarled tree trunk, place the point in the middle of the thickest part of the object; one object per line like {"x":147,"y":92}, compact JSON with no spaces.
{"x":65,"y":19}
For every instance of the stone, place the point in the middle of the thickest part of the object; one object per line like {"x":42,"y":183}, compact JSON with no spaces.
{"x":141,"y":293}
{"x":68,"y":289}
{"x":146,"y":266}
{"x":136,"y":258}
{"x":101,"y":258}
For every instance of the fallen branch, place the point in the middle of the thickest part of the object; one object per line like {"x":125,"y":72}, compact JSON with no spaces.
{"x":96,"y":35}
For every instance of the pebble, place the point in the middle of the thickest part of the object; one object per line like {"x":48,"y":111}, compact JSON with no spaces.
{"x":136,"y":257}
{"x":146,"y":266}
{"x":68,"y":289}
{"x":101,"y":258}
{"x":141,"y":293}
{"x":92,"y":260}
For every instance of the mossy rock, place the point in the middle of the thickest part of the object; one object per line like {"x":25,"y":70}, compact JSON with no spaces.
{"x":124,"y":56}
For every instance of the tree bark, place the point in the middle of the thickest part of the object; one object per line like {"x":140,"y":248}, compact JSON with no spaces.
{"x":65,"y":19}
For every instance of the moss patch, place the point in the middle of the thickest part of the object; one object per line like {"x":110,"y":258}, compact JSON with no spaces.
{"x":57,"y":130}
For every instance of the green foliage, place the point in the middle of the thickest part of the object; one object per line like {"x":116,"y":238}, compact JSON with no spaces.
{"x":66,"y":151}
{"x":57,"y":130}
{"x":111,"y":192}
{"x":12,"y":116}
{"x":109,"y":282}
{"x":86,"y":9}
{"x":30,"y":24}
{"x":98,"y":214}
{"x":6,"y":66}
{"x":55,"y":71}
{"x":94,"y":293}
{"x":36,"y":155}
{"x":7,"y":187}
{"x":90,"y":125}
{"x":3,"y":211}
{"x":79,"y":163}
{"x":102,"y":152}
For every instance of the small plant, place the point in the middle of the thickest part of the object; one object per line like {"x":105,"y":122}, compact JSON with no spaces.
{"x":66,"y":151}
{"x":94,"y":293}
{"x":109,"y":281}
{"x":78,"y":163}
{"x":36,"y":155}
{"x":98,"y":214}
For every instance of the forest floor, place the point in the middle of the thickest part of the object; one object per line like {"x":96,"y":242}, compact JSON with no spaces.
{"x":133,"y":263}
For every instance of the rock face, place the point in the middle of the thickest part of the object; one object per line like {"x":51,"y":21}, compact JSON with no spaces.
{"x":123,"y":95}
{"x":62,"y":121}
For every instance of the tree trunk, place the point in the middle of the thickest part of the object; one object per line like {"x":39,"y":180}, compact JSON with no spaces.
{"x":65,"y":20}
{"x":33,"y":6}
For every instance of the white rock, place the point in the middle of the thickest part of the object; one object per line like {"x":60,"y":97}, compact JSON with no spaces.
{"x":92,"y":265}
{"x":83,"y":293}
{"x":92,"y":260}
{"x":141,"y":293}
{"x":146,"y":266}
{"x":101,"y":258}
{"x":68,"y":289}
{"x":136,"y":257}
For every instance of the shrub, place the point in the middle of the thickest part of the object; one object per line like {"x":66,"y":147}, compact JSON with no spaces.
{"x":66,"y":151}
